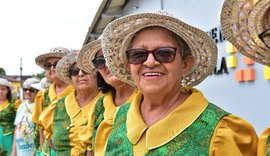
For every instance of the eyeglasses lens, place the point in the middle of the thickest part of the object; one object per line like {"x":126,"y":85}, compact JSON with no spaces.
{"x":99,"y":62}
{"x":162,"y":55}
{"x":31,"y":90}
{"x":48,"y":66}
{"x":74,"y":71}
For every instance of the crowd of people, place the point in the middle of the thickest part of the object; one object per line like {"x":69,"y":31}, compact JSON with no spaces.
{"x":132,"y":91}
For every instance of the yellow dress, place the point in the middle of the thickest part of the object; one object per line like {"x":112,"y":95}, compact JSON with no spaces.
{"x":53,"y":96}
{"x":233,"y":136}
{"x":78,"y":118}
{"x":41,"y":103}
{"x":263,"y":148}
{"x":86,"y":134}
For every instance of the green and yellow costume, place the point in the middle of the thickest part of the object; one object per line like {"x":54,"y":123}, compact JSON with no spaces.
{"x":42,"y":101}
{"x":64,"y":121}
{"x":195,"y":127}
{"x":7,"y":117}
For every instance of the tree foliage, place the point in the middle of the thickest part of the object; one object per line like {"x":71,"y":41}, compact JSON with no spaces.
{"x":2,"y":71}
{"x":39,"y":75}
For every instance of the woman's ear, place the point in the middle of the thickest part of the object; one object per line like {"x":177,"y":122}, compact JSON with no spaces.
{"x":188,"y":63}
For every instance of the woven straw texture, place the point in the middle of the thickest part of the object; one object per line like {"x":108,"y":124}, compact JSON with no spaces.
{"x":87,"y":54}
{"x":63,"y":65}
{"x":239,"y":26}
{"x":54,"y":52}
{"x":118,"y":34}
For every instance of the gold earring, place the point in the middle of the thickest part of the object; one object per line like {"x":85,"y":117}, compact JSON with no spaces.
{"x":185,"y":89}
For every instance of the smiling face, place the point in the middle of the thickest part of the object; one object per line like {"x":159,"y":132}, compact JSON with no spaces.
{"x":153,"y":77}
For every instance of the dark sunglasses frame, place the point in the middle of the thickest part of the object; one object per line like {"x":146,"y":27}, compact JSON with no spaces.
{"x":74,"y":71}
{"x":31,"y":90}
{"x":261,"y":36}
{"x":99,"y":62}
{"x":158,"y":53}
{"x":48,"y":66}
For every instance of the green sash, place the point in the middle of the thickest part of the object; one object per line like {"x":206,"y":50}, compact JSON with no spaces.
{"x":194,"y":140}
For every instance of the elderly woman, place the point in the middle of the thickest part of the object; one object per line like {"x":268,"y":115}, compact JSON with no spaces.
{"x":57,"y":90}
{"x":116,"y":93}
{"x":164,"y":57}
{"x":23,"y":144}
{"x":63,"y":120}
{"x":252,"y":40}
{"x":8,"y":108}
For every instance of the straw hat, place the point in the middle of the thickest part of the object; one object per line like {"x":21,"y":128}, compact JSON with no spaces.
{"x":43,"y":84}
{"x":87,"y":54}
{"x":5,"y":82}
{"x":28,"y":82}
{"x":118,"y":34}
{"x":63,"y":66}
{"x":54,"y":52}
{"x":241,"y":23}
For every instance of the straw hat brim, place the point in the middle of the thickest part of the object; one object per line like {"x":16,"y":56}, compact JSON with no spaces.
{"x":41,"y":59}
{"x":87,"y":54}
{"x":118,"y":34}
{"x":239,"y":21}
{"x":63,"y":66}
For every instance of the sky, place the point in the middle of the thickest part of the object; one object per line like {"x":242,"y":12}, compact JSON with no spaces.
{"x":32,"y":27}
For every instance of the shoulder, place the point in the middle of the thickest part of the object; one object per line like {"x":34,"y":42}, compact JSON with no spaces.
{"x":234,"y":135}
{"x":21,"y":106}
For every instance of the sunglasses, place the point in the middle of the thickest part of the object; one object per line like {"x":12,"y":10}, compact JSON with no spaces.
{"x":74,"y":71}
{"x":31,"y":90}
{"x":48,"y":66}
{"x":99,"y":62}
{"x":162,"y":55}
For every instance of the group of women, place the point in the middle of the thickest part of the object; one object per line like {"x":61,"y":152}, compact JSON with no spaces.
{"x":16,"y":125}
{"x":131,"y":92}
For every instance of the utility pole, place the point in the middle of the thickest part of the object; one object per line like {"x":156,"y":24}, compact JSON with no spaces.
{"x":20,"y":90}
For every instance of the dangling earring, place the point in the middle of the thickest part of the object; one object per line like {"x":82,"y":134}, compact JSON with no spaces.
{"x":185,"y":89}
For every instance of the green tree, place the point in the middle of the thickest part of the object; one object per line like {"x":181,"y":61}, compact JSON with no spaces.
{"x":39,"y":75}
{"x":2,"y":71}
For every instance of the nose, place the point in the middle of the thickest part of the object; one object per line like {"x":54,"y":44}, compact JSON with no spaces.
{"x":150,"y":61}
{"x":81,"y":73}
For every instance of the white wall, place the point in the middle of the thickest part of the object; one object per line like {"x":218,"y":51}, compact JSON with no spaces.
{"x":249,"y":100}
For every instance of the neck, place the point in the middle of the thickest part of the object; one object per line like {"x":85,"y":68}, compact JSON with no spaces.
{"x":155,"y":108}
{"x":31,"y":101}
{"x":122,"y":94}
{"x":60,"y":86}
{"x":2,"y":101}
{"x":85,"y":97}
